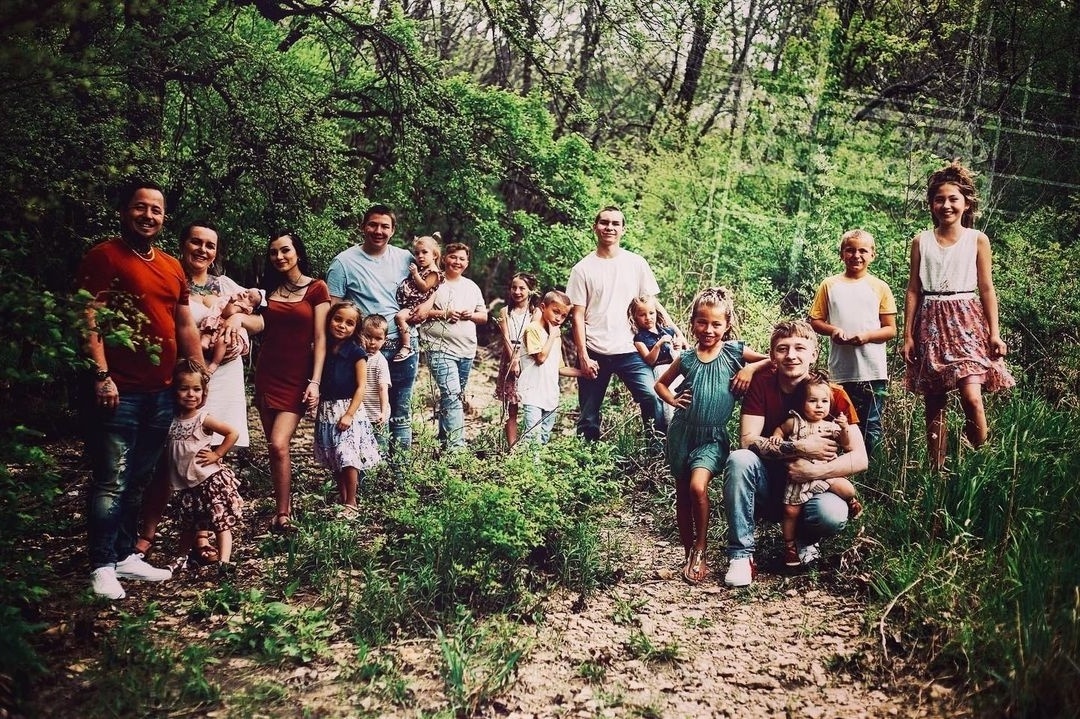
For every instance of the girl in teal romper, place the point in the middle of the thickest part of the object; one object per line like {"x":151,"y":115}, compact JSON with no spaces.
{"x":697,"y":439}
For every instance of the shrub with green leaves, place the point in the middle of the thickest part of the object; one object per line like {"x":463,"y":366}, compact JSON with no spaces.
{"x":276,"y":631}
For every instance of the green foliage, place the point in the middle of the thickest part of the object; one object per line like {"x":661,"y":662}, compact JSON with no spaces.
{"x":979,"y":561}
{"x":277,"y":632}
{"x":378,"y":674}
{"x":478,"y":527}
{"x":141,"y":674}
{"x":1040,"y":318}
{"x":479,"y":660}
{"x":640,"y":646}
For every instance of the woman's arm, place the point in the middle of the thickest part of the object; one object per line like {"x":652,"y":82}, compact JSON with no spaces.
{"x":311,"y":393}
{"x":911,"y":303}
{"x":988,"y":296}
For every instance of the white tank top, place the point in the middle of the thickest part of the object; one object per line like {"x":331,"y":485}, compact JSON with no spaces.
{"x":948,"y":269}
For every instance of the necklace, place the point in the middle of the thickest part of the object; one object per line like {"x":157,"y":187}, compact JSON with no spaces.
{"x":517,"y":328}
{"x":147,"y":257}
{"x":212,"y":287}
{"x":287,"y":288}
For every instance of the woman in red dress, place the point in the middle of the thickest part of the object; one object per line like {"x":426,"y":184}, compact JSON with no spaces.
{"x":290,"y":362}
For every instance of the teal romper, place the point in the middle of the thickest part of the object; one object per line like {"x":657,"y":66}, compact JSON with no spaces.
{"x":697,"y":436}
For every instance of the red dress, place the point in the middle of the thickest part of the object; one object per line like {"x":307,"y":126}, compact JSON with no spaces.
{"x":286,"y":355}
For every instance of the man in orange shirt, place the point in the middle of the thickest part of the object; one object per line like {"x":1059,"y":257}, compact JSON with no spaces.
{"x":128,"y":415}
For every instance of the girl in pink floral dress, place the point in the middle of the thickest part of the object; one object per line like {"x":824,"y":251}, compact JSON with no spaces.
{"x":952,"y":339}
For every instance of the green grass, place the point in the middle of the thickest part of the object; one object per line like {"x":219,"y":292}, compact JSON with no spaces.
{"x":978,"y":566}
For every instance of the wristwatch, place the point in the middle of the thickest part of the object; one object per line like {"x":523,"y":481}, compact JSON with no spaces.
{"x":101,"y":375}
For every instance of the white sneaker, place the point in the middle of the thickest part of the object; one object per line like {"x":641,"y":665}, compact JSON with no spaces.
{"x":104,"y":583}
{"x":135,"y":568}
{"x":740,"y":572}
{"x":809,"y":554}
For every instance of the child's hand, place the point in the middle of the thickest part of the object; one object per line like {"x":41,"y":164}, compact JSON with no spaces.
{"x":908,"y":350}
{"x":345,"y":422}
{"x":684,"y":396}
{"x":839,"y":337}
{"x":515,"y":366}
{"x":998,"y":348}
{"x":206,"y":456}
{"x":414,"y":270}
{"x":741,"y":381}
{"x":842,"y":421}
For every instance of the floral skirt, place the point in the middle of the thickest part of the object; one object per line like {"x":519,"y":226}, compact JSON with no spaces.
{"x":356,"y":447}
{"x":213,"y":504}
{"x":506,"y":383}
{"x":953,"y":345}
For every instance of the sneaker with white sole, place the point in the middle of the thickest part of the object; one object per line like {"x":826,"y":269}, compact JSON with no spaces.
{"x":740,"y":572}
{"x":135,"y":568}
{"x":809,"y":554}
{"x":104,"y":583}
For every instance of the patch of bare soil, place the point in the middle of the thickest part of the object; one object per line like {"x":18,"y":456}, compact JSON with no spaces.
{"x":650,"y":646}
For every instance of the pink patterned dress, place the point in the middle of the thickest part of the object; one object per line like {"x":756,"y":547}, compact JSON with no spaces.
{"x":951,"y":331}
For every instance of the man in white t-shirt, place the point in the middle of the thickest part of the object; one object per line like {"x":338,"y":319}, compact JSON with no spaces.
{"x":601,"y":287}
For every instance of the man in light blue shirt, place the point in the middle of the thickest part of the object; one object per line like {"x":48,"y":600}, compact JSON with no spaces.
{"x":368,"y":275}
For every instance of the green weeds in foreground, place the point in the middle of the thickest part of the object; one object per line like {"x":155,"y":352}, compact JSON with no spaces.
{"x":979,"y":564}
{"x":478,"y":661}
{"x":276,"y":631}
{"x":141,"y":675}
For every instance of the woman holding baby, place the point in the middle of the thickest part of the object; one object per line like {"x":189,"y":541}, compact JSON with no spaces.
{"x":226,"y":399}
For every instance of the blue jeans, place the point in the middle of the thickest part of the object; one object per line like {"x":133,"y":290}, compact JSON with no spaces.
{"x":123,"y":446}
{"x":402,"y":377}
{"x":869,"y":400}
{"x":538,"y":423}
{"x":451,"y":374}
{"x":638,"y":378}
{"x":755,"y":488}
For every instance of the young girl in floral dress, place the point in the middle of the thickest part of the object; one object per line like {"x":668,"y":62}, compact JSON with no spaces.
{"x":952,"y":339}
{"x":344,"y":439}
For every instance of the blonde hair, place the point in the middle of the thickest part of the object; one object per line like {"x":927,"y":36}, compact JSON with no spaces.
{"x":434,"y":241}
{"x":855,"y":235}
{"x":792,"y":328}
{"x":954,"y":174}
{"x":662,"y":320}
{"x":722,"y":298}
{"x":556,"y":296}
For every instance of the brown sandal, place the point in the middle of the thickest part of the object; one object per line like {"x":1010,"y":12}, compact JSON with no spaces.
{"x":282,"y":525}
{"x":696,"y":569}
{"x":203,"y":554}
